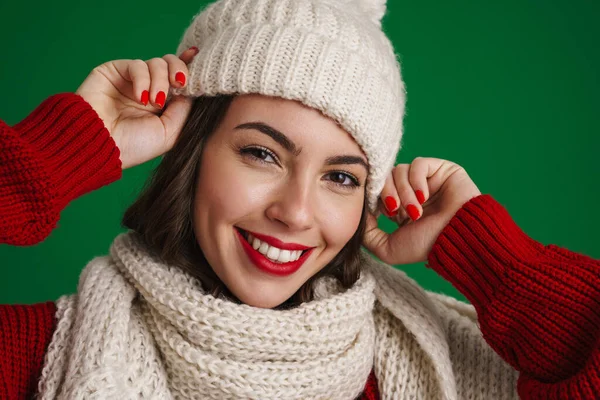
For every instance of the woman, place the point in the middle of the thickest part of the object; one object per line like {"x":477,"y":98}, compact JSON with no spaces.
{"x":242,"y":275}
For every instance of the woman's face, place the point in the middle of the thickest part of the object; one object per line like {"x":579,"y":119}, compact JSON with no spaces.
{"x":287,"y":175}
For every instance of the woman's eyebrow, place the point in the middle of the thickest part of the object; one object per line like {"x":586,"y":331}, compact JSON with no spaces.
{"x":277,"y":136}
{"x":337,"y":160}
{"x":290,"y":146}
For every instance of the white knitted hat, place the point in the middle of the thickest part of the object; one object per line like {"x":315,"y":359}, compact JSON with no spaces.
{"x":331,"y":55}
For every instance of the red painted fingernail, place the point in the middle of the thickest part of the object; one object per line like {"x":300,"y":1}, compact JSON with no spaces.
{"x":390,"y":203}
{"x":413,"y":212}
{"x":160,"y":99}
{"x":420,"y":196}
{"x":193,"y":48}
{"x":145,"y":97}
{"x":180,"y":77}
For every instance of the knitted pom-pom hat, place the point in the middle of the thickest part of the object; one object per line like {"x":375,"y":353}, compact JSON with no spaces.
{"x":331,"y":55}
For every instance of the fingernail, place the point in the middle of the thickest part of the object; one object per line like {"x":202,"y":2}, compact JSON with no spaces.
{"x":420,"y":196}
{"x":390,"y":203}
{"x":180,"y":77}
{"x":193,"y":48}
{"x":413,"y":212}
{"x":160,"y":99}
{"x":145,"y":97}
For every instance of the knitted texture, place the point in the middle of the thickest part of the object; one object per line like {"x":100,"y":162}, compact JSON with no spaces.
{"x":330,"y":55}
{"x":60,"y":151}
{"x":168,"y":339}
{"x":209,"y":348}
{"x":25,"y":331}
{"x":538,"y":305}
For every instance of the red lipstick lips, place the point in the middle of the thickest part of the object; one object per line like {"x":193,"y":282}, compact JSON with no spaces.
{"x":271,"y":241}
{"x":271,"y":267}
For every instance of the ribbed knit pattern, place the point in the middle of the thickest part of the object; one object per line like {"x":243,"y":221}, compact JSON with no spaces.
{"x":330,"y":55}
{"x":41,"y":166}
{"x":25,"y":333}
{"x":174,"y":341}
{"x":538,"y":306}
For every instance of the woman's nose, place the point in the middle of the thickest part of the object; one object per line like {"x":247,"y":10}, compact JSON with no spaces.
{"x":293,"y":205}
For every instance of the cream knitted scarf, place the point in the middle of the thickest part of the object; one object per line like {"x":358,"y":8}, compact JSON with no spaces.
{"x":138,"y":328}
{"x":143,"y":329}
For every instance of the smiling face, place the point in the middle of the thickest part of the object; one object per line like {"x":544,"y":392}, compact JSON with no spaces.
{"x":280,"y":192}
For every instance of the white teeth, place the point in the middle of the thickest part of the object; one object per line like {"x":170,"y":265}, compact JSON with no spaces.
{"x":274,"y":253}
{"x":284,"y":256}
{"x":263,"y":248}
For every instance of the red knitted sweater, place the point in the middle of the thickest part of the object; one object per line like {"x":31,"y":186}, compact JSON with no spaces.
{"x":538,"y":306}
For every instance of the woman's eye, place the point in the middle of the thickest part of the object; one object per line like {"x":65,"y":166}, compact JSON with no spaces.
{"x":343,"y":179}
{"x":259,"y":153}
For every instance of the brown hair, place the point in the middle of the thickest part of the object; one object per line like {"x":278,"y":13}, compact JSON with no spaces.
{"x":162,"y":214}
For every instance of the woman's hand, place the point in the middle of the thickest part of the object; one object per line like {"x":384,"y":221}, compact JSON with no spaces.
{"x":445,"y":188}
{"x":130,"y":96}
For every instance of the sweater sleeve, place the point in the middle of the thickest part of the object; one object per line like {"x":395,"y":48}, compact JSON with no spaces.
{"x":56,"y":154}
{"x":25,"y":333}
{"x":538,"y":306}
{"x":371,"y":391}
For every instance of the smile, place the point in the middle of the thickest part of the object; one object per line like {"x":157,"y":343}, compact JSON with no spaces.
{"x":271,"y":255}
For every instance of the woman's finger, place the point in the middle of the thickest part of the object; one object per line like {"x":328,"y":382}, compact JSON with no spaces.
{"x":178,"y":71}
{"x":389,"y":201}
{"x":430,"y":174}
{"x":389,"y":198}
{"x":403,"y":246}
{"x":136,"y":72}
{"x":188,"y":55}
{"x":376,"y":240}
{"x":420,"y":170}
{"x":406,"y":193}
{"x":174,"y":118}
{"x":159,"y":81}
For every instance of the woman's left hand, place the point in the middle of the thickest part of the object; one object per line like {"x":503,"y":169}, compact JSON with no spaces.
{"x":445,"y":188}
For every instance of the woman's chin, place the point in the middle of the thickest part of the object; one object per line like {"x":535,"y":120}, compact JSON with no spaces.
{"x":265,"y":295}
{"x":264,"y":303}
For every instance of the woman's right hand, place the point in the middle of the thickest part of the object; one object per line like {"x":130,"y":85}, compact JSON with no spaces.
{"x":130,"y":98}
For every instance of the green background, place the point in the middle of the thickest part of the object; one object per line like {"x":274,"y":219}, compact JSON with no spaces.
{"x":509,"y":90}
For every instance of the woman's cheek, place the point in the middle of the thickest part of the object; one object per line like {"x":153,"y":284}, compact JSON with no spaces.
{"x":340,"y":216}
{"x":245,"y":190}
